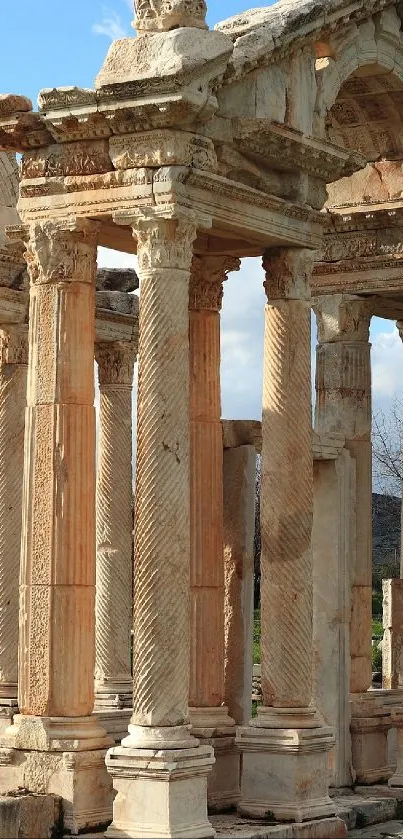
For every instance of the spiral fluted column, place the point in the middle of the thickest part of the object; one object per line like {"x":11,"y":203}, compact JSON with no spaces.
{"x":343,"y":405}
{"x":13,"y":389}
{"x":208,"y":714}
{"x":114,"y":564}
{"x":287,"y":725}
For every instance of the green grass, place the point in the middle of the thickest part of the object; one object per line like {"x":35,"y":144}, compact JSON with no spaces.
{"x":256,"y":636}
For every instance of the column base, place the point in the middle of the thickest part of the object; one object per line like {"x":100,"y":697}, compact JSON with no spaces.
{"x":115,"y":721}
{"x":284,"y":770}
{"x":371,"y":719}
{"x":63,"y":756}
{"x":114,"y":694}
{"x":162,"y":789}
{"x":214,"y":727}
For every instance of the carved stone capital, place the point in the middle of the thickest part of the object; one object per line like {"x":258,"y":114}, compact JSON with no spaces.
{"x":206,"y":280}
{"x":288,"y":273}
{"x":62,"y":251}
{"x":342,"y":317}
{"x":115,"y":363}
{"x":14,"y":345}
{"x":162,"y":15}
{"x":164,"y":243}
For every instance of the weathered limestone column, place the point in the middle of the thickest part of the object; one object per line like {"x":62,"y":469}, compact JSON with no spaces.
{"x":343,"y":405}
{"x":277,"y":773}
{"x":56,"y":727}
{"x":207,"y":712}
{"x":13,"y":391}
{"x":114,"y":564}
{"x":178,"y":771}
{"x":239,"y":530}
{"x":399,"y":325}
{"x":392,"y":643}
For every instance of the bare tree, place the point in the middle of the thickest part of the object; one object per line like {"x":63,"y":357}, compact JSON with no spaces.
{"x":387,"y":430}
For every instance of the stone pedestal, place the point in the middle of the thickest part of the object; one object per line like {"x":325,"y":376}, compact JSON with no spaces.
{"x":239,"y":531}
{"x":206,"y":693}
{"x":13,"y":389}
{"x":392,"y":644}
{"x":372,"y":717}
{"x":285,"y":749}
{"x":57,"y":581}
{"x":160,"y":771}
{"x":114,"y":564}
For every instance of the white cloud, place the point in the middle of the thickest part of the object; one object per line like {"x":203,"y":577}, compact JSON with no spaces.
{"x":111,"y":25}
{"x":387,"y":365}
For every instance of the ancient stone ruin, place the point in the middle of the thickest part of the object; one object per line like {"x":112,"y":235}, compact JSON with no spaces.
{"x":277,"y":135}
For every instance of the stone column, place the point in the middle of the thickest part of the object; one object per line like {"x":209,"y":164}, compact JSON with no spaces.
{"x":207,"y":712}
{"x":57,"y":580}
{"x":114,"y":564}
{"x":277,"y":775}
{"x":178,"y":770}
{"x":239,"y":531}
{"x":399,"y":325}
{"x":343,"y":405}
{"x":13,"y":391}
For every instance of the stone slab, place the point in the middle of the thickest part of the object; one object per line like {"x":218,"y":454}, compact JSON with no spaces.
{"x":230,"y":826}
{"x":27,"y":816}
{"x":380,"y":831}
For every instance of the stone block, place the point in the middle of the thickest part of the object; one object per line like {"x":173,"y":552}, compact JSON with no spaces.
{"x":28,"y":816}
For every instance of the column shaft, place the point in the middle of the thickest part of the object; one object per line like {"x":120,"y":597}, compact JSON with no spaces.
{"x":114,"y":566}
{"x":286,"y":497}
{"x":162,"y":538}
{"x":57,"y":592}
{"x":343,"y":405}
{"x":13,"y":389}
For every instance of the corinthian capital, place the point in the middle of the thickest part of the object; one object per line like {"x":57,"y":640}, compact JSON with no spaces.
{"x":206,"y":280}
{"x":164,"y":242}
{"x":115,"y":362}
{"x":62,"y":251}
{"x":342,"y":317}
{"x":288,"y":273}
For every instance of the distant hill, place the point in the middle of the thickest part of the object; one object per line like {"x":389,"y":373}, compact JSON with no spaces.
{"x":385,"y":537}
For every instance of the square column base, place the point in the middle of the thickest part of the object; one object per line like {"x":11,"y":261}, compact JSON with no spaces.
{"x":214,"y":727}
{"x":371,"y":720}
{"x":79,"y":778}
{"x":160,"y":792}
{"x":285,"y":772}
{"x":115,"y":721}
{"x":63,"y":756}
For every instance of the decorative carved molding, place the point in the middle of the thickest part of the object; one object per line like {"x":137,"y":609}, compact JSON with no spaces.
{"x":208,"y":274}
{"x":288,"y":273}
{"x":62,"y":251}
{"x":115,"y":363}
{"x":163,"y":148}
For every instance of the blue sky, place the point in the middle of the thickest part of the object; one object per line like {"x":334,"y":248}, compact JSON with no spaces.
{"x":49,"y":43}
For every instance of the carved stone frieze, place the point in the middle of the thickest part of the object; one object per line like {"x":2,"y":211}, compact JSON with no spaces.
{"x":362,"y":243}
{"x":206,"y":280}
{"x":116,"y":363}
{"x":20,"y":132}
{"x":162,"y":148}
{"x":288,"y":273}
{"x":60,"y":160}
{"x":157,"y":15}
{"x":62,"y":251}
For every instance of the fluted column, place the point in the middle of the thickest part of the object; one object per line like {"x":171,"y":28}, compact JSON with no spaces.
{"x":276,"y":774}
{"x":57,"y":580}
{"x":114,"y":492}
{"x":13,"y":389}
{"x":208,"y":714}
{"x":343,"y":405}
{"x":162,"y":554}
